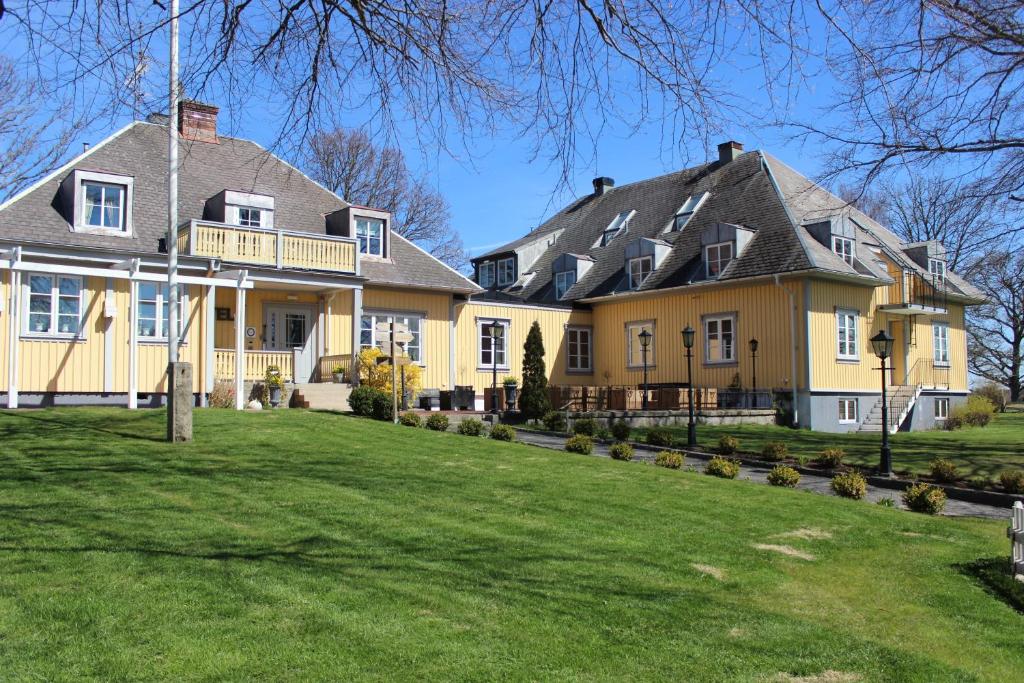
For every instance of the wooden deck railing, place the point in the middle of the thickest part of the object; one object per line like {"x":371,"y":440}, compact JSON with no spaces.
{"x":256,"y":364}
{"x":268,"y":247}
{"x":325,"y":368}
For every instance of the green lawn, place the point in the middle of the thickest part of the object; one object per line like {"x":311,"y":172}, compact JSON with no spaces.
{"x":293,"y":545}
{"x":979,"y":452}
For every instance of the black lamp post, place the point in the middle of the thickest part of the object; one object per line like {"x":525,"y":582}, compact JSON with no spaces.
{"x":881,"y":343}
{"x":645,"y":341}
{"x":753,"y":372}
{"x":691,"y":427}
{"x":497,"y":332}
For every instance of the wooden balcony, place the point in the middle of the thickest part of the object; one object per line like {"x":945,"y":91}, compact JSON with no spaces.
{"x":268,"y":247}
{"x":915,"y":294}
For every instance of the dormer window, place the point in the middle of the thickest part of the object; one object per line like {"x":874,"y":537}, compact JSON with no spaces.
{"x":618,"y":225}
{"x":843,"y":248}
{"x":370,"y":235}
{"x":639,"y":270}
{"x":486,"y":276}
{"x":717,"y":257}
{"x":249,"y":217}
{"x":98,"y":203}
{"x":563,"y":282}
{"x":937,"y":268}
{"x":104,"y":206}
{"x":506,"y":271}
{"x":687,"y":210}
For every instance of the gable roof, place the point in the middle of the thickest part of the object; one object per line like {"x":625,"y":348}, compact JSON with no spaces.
{"x":140,"y":151}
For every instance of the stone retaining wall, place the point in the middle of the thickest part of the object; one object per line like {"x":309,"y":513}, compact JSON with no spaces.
{"x":677,"y":418}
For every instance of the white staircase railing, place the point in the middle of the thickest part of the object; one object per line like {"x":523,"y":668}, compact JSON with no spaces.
{"x":1016,"y":534}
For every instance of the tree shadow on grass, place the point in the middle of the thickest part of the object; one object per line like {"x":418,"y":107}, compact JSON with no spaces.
{"x":71,"y":423}
{"x":993,"y":574}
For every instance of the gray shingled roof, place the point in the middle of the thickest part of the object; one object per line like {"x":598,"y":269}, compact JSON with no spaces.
{"x":140,"y":151}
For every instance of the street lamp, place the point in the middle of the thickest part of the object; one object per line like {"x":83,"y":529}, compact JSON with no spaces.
{"x":881,"y":343}
{"x":645,"y":341}
{"x":753,"y":372}
{"x":691,"y":428}
{"x":497,"y":332}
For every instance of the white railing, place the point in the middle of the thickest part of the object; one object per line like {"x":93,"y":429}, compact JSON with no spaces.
{"x":1016,"y":534}
{"x":256,"y":364}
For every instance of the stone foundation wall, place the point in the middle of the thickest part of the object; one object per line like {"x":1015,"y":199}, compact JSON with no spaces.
{"x":677,"y":418}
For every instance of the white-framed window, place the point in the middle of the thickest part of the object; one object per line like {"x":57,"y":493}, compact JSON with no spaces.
{"x":720,"y":338}
{"x":639,"y":269}
{"x":249,"y":217}
{"x":940,"y":343}
{"x":491,"y":352}
{"x":847,"y":411}
{"x":506,"y":271}
{"x":687,"y":210}
{"x":847,"y":337}
{"x":634,"y":349}
{"x":54,"y":306}
{"x":937,"y":268}
{"x":370,"y":235}
{"x":618,"y":225}
{"x":370,"y":337}
{"x":579,"y":349}
{"x":486,"y":274}
{"x":717,"y":257}
{"x":941,"y":408}
{"x":151,"y":314}
{"x":564,"y":280}
{"x":103,"y":205}
{"x":843,"y":248}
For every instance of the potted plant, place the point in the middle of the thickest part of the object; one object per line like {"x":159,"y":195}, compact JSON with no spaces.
{"x":275,"y":383}
{"x":339,"y":374}
{"x":511,"y":385}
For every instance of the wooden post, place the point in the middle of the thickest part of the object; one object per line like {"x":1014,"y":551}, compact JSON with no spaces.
{"x":394,"y":386}
{"x":133,"y":345}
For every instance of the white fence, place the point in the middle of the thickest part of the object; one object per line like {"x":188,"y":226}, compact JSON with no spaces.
{"x":1016,"y":534}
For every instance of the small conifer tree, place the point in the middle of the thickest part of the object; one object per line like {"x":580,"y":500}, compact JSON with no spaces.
{"x":534,"y":401}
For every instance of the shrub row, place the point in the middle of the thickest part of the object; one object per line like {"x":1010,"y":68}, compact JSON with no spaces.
{"x":366,"y":401}
{"x":467,"y":427}
{"x":977,"y":412}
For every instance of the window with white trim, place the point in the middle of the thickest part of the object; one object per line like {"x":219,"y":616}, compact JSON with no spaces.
{"x":843,"y":248}
{"x":720,"y":339}
{"x":370,"y":235}
{"x":847,"y":337}
{"x":490,"y":351}
{"x":940,"y":343}
{"x":103,"y":205}
{"x":506,"y":271}
{"x":687,"y":210}
{"x":151,"y":313}
{"x":370,"y":337}
{"x":579,"y":349}
{"x":847,"y":411}
{"x":564,"y":280}
{"x":717,"y":257}
{"x":634,"y":349}
{"x":618,"y":225}
{"x":937,"y":268}
{"x":639,"y":270}
{"x":486,"y":276}
{"x":941,"y":408}
{"x":249,"y":217}
{"x":54,"y":304}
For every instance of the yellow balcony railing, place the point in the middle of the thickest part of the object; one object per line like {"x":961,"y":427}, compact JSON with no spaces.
{"x":256,"y":364}
{"x":268,"y":247}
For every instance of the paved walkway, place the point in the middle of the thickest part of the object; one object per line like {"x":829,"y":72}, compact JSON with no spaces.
{"x":810,"y":482}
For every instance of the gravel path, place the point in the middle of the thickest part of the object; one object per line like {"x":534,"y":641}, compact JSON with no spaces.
{"x":810,"y":482}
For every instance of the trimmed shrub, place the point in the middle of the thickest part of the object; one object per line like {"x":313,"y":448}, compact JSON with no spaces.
{"x":621,"y":451}
{"x":722,"y":467}
{"x":943,"y":470}
{"x":850,"y":485}
{"x":361,"y":400}
{"x":781,"y":475}
{"x":727,"y":445}
{"x":500,"y":432}
{"x":585,"y":426}
{"x":774,"y":451}
{"x":621,"y":430}
{"x":994,"y":393}
{"x":1012,"y":481}
{"x":554,"y":421}
{"x":603,"y":434}
{"x":471,"y":427}
{"x":660,"y":436}
{"x":438,"y":422}
{"x":383,"y":407}
{"x":977,"y":412}
{"x":410,"y":419}
{"x":669,"y":459}
{"x":831,"y":457}
{"x":581,"y":443}
{"x":925,"y":498}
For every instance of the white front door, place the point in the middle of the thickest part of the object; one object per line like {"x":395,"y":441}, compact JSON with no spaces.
{"x":290,"y":328}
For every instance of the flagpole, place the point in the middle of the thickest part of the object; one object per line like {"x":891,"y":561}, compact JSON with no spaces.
{"x":172,"y":199}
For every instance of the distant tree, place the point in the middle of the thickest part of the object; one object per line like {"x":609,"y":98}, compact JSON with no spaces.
{"x":872,"y":202}
{"x":534,"y":401}
{"x":348,"y":163}
{"x":996,"y":329}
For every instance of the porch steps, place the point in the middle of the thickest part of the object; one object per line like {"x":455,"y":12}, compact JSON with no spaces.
{"x":322,"y":396}
{"x":901,"y":401}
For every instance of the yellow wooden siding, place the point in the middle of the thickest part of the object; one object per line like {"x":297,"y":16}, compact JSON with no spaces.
{"x":827,"y":371}
{"x":339,"y":323}
{"x":762,"y":312}
{"x":255,"y":301}
{"x":552,"y":326}
{"x":922,"y":346}
{"x":153,"y":355}
{"x":435,"y":332}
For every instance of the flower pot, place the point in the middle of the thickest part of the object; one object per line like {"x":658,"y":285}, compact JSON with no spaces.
{"x":275,"y":396}
{"x":510,"y":396}
{"x":339,"y":378}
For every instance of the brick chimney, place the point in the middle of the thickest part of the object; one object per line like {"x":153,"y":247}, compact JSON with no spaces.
{"x":729,"y":151}
{"x":197,"y":121}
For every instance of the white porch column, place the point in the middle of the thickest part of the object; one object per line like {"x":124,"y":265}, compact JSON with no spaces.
{"x":211,"y":334}
{"x":133,"y":345}
{"x":357,"y":318}
{"x":239,"y":348}
{"x":13,"y":322}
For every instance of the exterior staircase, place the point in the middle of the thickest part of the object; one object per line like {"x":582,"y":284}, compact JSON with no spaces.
{"x":901,"y":401}
{"x":322,"y":396}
